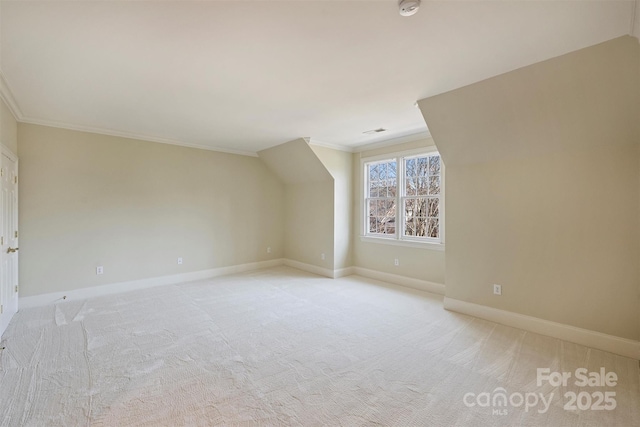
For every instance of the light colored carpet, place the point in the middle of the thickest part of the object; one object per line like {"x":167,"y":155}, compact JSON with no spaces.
{"x":283,"y":347}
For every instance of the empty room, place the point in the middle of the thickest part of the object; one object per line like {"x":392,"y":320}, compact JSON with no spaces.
{"x":320,"y":213}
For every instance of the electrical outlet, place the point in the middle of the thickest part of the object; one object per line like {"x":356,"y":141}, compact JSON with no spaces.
{"x":322,"y":256}
{"x":100,"y":270}
{"x":497,"y":289}
{"x":396,"y":262}
{"x":180,"y":261}
{"x":269,"y":250}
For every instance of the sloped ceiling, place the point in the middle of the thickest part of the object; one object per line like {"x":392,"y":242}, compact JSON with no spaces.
{"x":243,"y":76}
{"x":584,"y":99}
{"x":295,"y":162}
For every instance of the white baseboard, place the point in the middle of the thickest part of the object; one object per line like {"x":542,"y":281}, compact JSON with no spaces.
{"x":320,"y":271}
{"x":610,"y":343}
{"x":409,"y":282}
{"x":115,"y":288}
{"x":341,"y":272}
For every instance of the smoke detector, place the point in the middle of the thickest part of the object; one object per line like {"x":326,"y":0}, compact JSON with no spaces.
{"x":408,"y":7}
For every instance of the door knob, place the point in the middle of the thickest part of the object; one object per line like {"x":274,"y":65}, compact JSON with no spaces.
{"x":11,"y":250}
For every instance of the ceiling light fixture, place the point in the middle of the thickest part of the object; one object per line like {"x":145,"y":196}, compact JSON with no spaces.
{"x":408,"y":7}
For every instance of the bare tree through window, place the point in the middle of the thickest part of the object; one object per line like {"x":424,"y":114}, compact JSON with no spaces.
{"x":382,"y":197}
{"x":421,"y":199}
{"x":403,"y":196}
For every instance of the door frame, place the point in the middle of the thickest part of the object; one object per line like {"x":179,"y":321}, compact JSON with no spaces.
{"x":6,"y":151}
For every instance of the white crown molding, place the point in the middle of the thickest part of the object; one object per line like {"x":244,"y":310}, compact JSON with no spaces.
{"x":613,"y":344}
{"x":131,"y":135}
{"x":6,"y":94}
{"x":371,"y":145}
{"x":312,"y":141}
{"x":393,"y":141}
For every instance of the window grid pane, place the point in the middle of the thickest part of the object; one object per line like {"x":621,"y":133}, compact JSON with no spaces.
{"x":381,"y":215}
{"x":420,"y":190}
{"x":434,"y":165}
{"x":421,"y":213}
{"x":382,"y":179}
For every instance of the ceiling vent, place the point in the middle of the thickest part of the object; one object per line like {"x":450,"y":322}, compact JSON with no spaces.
{"x":371,"y":132}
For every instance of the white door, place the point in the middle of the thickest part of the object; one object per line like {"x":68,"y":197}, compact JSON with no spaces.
{"x":8,"y":239}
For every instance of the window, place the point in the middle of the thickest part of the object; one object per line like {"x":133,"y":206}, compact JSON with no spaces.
{"x":403,"y":198}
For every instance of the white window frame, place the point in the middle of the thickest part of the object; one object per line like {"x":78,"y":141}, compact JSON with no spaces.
{"x":399,"y":239}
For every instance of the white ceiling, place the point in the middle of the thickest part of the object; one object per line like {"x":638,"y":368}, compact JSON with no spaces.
{"x":243,"y":75}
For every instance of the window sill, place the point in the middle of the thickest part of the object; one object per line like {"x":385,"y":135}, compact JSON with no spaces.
{"x":407,"y":243}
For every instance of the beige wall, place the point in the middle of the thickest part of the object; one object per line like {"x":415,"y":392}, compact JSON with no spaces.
{"x":526,"y":155}
{"x":339,"y":164}
{"x":134,"y":207}
{"x":309,"y":202}
{"x":543,"y":188}
{"x":309,"y":223}
{"x":636,"y":20}
{"x":323,"y":212}
{"x":417,"y":263}
{"x":8,"y":128}
{"x":561,"y":239}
